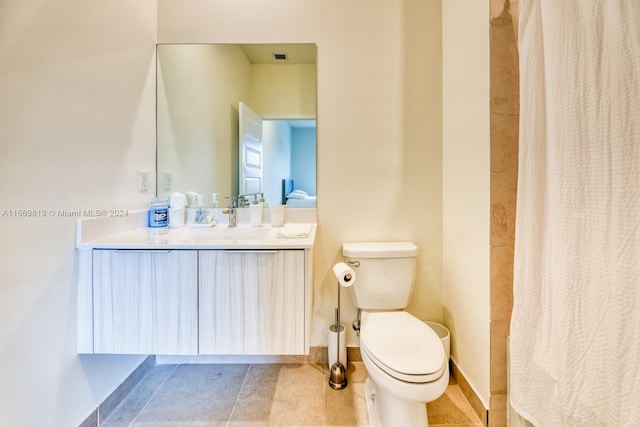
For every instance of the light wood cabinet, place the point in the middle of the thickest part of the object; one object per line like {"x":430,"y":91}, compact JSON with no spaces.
{"x":252,"y":302}
{"x":188,"y":302}
{"x":145,"y":302}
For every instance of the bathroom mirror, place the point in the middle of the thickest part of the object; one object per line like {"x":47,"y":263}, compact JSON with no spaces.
{"x":199,"y":89}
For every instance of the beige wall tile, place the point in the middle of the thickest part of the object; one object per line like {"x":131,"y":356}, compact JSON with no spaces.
{"x":503,"y":203}
{"x":501,"y":283}
{"x":499,"y":106}
{"x":498,"y":418}
{"x":502,"y":33}
{"x":505,"y":109}
{"x":499,"y":332}
{"x":499,"y":69}
{"x":504,"y":140}
{"x":498,"y":401}
{"x":500,"y":12}
{"x":513,"y":75}
{"x":498,"y":410}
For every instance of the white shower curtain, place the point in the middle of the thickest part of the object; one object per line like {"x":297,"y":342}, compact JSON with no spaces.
{"x":575,"y":329}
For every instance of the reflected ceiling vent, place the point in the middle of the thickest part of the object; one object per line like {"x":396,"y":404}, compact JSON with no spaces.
{"x":280,"y":57}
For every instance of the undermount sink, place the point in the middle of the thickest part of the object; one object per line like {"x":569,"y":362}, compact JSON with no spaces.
{"x":224,"y":232}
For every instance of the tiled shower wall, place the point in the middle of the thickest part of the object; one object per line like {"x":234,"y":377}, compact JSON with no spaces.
{"x":504,"y":113}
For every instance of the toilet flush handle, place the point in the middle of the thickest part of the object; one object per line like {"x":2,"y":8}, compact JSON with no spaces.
{"x":356,"y":323}
{"x":355,"y":263}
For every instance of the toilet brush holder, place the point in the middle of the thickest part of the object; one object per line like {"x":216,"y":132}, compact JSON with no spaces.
{"x":333,"y":340}
{"x":337,"y":377}
{"x":338,"y":371}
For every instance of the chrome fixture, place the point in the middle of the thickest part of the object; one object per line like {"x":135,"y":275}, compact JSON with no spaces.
{"x":232,"y":210}
{"x":244,"y":200}
{"x":356,"y":323}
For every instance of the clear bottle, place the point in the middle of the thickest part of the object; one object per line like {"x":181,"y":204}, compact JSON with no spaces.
{"x":201,"y":215}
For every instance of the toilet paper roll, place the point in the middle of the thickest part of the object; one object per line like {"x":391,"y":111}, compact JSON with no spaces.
{"x":345,"y":274}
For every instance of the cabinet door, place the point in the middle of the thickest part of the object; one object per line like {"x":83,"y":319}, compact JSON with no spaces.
{"x":145,"y":302}
{"x":252,"y":302}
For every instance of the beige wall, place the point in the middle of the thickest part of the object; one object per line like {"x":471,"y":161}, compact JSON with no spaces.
{"x":77,"y":100}
{"x":466,"y":188}
{"x":284,"y":91}
{"x":77,"y":123}
{"x":379,"y":122}
{"x":199,"y":87}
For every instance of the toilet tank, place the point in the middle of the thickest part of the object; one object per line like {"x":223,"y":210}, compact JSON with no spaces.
{"x":385,"y":276}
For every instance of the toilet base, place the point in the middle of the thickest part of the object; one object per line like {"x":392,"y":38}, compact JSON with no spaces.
{"x":386,"y":410}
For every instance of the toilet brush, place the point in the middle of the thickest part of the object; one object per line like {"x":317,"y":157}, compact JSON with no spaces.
{"x":337,"y":376}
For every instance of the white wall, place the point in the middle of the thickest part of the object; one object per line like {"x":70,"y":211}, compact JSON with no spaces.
{"x":466,"y":190}
{"x":379,"y":122}
{"x":77,"y":97}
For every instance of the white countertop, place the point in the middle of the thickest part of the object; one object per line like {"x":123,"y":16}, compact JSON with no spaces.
{"x":209,"y":238}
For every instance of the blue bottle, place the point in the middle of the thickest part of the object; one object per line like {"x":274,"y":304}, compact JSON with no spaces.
{"x":158,"y":214}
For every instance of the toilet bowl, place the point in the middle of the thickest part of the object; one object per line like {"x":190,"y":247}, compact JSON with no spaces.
{"x":407,"y":368}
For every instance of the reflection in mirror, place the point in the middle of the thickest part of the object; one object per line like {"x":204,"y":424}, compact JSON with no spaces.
{"x":290,"y":153}
{"x":199,"y":89}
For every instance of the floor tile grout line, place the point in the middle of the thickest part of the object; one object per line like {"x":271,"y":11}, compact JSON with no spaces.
{"x":244,"y":380}
{"x":154,"y":394}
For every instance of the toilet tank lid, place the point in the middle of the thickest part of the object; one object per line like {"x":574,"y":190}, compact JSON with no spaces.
{"x":379,"y":249}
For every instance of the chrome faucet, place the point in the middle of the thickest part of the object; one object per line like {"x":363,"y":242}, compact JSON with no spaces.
{"x":232,"y":210}
{"x":244,"y":199}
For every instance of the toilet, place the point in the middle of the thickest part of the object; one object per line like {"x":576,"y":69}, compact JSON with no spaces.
{"x":404,"y":357}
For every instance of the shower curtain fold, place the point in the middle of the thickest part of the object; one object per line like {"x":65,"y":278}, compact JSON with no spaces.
{"x":575,"y":327}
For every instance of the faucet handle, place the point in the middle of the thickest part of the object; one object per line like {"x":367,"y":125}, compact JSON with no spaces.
{"x":233,"y":201}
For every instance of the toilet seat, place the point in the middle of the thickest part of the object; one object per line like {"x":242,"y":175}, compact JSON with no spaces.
{"x":402,"y":346}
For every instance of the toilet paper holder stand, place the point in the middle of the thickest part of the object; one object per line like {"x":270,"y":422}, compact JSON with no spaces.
{"x":337,"y":372}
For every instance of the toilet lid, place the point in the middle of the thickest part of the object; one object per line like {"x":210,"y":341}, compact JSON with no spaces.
{"x":403,"y":346}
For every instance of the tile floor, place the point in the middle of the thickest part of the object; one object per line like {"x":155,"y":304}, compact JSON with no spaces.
{"x":252,"y":395}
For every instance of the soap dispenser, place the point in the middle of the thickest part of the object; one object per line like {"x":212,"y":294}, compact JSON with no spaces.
{"x":214,"y":200}
{"x":255,"y":212}
{"x":263,"y":202}
{"x":201,"y":215}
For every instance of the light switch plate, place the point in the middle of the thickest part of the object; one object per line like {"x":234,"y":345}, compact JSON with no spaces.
{"x":143,"y":181}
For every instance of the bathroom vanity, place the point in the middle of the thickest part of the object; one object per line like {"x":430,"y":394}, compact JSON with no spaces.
{"x":213,"y":291}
